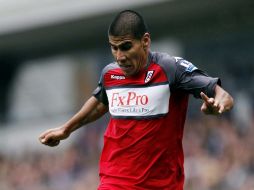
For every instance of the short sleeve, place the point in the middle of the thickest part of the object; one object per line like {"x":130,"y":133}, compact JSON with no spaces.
{"x":193,"y":80}
{"x":100,"y":92}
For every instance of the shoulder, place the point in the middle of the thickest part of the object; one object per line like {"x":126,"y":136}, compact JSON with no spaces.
{"x":167,"y":62}
{"x":163,"y":58}
{"x":110,"y":66}
{"x":172,"y":63}
{"x":173,"y":66}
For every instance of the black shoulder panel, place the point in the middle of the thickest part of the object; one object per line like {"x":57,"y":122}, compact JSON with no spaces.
{"x":168,"y":63}
{"x":100,"y":92}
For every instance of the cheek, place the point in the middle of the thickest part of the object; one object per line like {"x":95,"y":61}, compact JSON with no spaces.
{"x":136,"y":56}
{"x":137,"y":61}
{"x":114,"y":54}
{"x":140,"y":59}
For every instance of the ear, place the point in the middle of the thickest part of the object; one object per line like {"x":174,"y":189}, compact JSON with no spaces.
{"x":146,"y":41}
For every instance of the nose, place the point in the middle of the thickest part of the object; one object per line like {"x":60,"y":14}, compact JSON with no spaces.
{"x":120,"y":56}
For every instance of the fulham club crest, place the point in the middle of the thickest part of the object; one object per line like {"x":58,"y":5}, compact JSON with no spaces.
{"x":149,"y":75}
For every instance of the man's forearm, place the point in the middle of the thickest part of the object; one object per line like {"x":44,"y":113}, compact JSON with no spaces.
{"x":91,"y":111}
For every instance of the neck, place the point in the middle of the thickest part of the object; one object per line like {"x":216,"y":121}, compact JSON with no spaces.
{"x":148,"y":60}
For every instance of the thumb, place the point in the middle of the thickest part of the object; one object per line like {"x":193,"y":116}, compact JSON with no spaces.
{"x":204,"y":108}
{"x":221,"y":110}
{"x":42,"y":139}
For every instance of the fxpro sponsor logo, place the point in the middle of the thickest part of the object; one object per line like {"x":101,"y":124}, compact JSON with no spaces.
{"x":130,"y":110}
{"x":129,"y":99}
{"x":117,"y":77}
{"x":139,"y":101}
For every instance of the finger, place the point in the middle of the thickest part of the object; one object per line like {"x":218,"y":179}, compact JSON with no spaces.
{"x":52,"y":142}
{"x":43,"y":140}
{"x":211,"y":101}
{"x":221,"y":109}
{"x":44,"y":134}
{"x":205,"y":109}
{"x":41,"y":136}
{"x":204,"y":97}
{"x":216,"y":103}
{"x":46,"y":138}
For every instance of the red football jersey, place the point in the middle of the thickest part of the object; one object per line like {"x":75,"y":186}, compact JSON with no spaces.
{"x":143,"y":141}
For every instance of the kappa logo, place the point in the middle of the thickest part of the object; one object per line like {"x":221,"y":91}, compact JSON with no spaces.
{"x":149,"y":75}
{"x":117,"y":77}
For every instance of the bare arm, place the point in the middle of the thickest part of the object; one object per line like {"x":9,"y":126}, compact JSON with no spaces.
{"x":221,"y":102}
{"x":91,"y":110}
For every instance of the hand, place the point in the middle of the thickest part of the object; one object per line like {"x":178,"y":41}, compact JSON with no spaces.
{"x":211,"y":106}
{"x":52,"y":137}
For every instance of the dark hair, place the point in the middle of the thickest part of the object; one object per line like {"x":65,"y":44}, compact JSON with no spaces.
{"x":128,"y":22}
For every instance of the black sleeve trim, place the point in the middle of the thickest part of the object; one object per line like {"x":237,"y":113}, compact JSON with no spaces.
{"x":210,"y":89}
{"x":101,"y":96}
{"x":197,"y":82}
{"x":183,"y":75}
{"x":194,"y":81}
{"x":100,"y":92}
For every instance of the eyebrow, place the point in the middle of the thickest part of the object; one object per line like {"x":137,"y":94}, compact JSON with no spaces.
{"x":120,"y":45}
{"x":125,"y":46}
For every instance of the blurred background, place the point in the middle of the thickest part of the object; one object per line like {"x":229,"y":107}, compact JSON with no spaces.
{"x":51,"y":55}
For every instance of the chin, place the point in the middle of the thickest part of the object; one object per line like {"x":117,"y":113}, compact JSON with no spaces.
{"x":131,"y":74}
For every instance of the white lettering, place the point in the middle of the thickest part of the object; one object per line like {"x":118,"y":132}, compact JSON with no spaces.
{"x":117,"y":77}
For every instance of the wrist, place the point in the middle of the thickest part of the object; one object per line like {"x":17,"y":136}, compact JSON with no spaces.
{"x":67,"y":130}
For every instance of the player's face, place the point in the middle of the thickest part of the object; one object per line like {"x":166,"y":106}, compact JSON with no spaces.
{"x":130,"y":54}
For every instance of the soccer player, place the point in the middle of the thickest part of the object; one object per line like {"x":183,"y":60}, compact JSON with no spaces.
{"x":146,"y":94}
